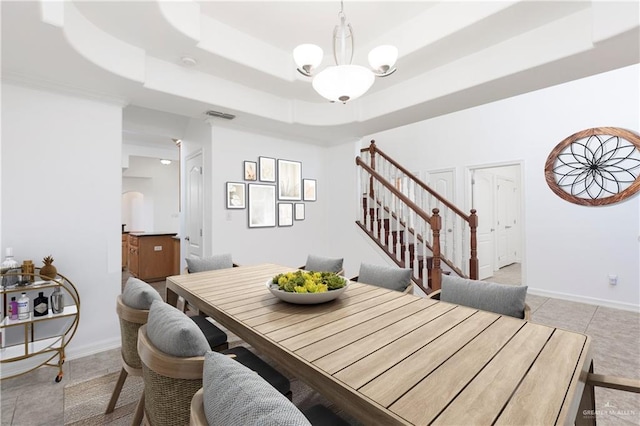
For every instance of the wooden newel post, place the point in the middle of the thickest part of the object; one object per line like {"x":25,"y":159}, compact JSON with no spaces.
{"x":372,"y":157}
{"x":473,"y":260}
{"x":436,"y":271}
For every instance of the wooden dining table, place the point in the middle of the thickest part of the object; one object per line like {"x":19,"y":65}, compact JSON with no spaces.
{"x":391,"y":358}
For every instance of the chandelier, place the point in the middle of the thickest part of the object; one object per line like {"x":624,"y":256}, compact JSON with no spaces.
{"x":343,"y":81}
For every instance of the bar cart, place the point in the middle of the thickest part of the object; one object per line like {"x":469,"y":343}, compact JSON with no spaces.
{"x":35,"y":341}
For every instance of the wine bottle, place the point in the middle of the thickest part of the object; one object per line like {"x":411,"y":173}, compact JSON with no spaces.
{"x":40,"y":305}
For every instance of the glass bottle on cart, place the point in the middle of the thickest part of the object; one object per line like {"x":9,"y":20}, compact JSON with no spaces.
{"x":23,"y":307}
{"x":57,"y":301}
{"x":40,"y":305}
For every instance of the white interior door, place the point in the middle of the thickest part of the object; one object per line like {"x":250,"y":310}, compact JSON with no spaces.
{"x":443,"y":183}
{"x":506,"y":221}
{"x":483,"y":201}
{"x":194,"y":211}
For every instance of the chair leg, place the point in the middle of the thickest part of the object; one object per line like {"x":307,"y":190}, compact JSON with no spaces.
{"x":137,"y":418}
{"x":116,"y":391}
{"x":221,"y":347}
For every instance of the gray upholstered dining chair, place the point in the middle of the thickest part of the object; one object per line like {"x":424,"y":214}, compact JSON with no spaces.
{"x":323,"y":264}
{"x":209,"y":263}
{"x":171,"y":349}
{"x":233,"y":394}
{"x":172,"y":353}
{"x":132,"y":307}
{"x":203,"y":264}
{"x":393,"y":278}
{"x":504,"y":299}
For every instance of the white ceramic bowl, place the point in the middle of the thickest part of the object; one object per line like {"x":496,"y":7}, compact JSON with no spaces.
{"x":305,"y":298}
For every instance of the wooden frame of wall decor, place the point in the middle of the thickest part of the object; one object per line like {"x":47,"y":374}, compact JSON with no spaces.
{"x":595,"y":167}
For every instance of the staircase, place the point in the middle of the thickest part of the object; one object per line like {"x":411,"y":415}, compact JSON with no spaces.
{"x":413,"y":224}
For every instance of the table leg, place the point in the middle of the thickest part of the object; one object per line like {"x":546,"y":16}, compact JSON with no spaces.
{"x":171,"y":297}
{"x":587,"y":409}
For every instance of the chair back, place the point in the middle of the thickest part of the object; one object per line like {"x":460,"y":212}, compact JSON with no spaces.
{"x":391,"y":277}
{"x":323,"y":264}
{"x":527,"y":309}
{"x":169,"y":383}
{"x":130,"y":321}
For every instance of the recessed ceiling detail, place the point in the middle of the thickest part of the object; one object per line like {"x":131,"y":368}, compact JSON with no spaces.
{"x":452,"y":55}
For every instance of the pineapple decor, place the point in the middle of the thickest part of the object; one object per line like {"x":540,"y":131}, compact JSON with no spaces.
{"x":48,"y":271}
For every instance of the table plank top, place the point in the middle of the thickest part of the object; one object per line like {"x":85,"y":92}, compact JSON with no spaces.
{"x":392,"y":358}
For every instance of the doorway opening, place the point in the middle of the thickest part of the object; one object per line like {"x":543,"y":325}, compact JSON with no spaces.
{"x":496,"y":193}
{"x":133,"y":217}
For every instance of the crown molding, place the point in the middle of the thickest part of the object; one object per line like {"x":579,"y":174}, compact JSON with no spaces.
{"x":62,"y":88}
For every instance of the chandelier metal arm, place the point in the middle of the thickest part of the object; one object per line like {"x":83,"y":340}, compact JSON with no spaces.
{"x":306,"y":70}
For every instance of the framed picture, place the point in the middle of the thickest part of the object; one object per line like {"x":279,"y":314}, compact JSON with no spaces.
{"x":299,"y":211}
{"x":262,"y":205}
{"x":309,"y":189}
{"x":250,"y":170}
{"x":236,"y":195}
{"x":267,"y":169}
{"x":285,"y":214}
{"x":289,"y":180}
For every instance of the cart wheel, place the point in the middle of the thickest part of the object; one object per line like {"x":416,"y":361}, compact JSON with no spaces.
{"x":59,"y":378}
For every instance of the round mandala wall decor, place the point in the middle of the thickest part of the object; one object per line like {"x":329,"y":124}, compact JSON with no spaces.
{"x":595,"y":167}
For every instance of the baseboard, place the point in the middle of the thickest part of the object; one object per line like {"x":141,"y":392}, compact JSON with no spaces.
{"x":92,"y":349}
{"x":583,"y":299}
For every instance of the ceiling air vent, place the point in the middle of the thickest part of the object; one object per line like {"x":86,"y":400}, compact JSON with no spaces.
{"x":219,"y":114}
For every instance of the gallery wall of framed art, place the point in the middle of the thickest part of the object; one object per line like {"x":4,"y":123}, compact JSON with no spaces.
{"x":273,"y":192}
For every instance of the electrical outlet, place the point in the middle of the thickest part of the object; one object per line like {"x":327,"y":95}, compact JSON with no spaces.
{"x":613,"y":279}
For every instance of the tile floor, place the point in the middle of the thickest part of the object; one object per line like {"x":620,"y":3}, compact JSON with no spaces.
{"x":34,"y":399}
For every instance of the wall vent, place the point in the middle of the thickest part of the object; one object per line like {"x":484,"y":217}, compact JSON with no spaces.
{"x":219,"y":114}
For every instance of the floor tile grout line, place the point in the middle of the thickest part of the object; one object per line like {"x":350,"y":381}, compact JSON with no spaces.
{"x":591,"y":319}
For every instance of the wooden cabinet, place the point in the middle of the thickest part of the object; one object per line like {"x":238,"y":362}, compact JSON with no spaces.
{"x":151,"y":256}
{"x":125,"y":250}
{"x":176,"y":255}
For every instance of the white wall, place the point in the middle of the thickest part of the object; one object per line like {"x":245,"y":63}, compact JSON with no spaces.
{"x":160,"y":185}
{"x":61,"y":196}
{"x":284,"y":245}
{"x":569,"y":250}
{"x":197,"y":138}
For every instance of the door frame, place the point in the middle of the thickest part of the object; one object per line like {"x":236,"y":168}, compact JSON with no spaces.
{"x":468,"y":190}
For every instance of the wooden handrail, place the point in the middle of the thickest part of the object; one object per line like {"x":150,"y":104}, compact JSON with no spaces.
{"x":434,"y":220}
{"x":394,"y":190}
{"x":372,"y":149}
{"x":424,"y":241}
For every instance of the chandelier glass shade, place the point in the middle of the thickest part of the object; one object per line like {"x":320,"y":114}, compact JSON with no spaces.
{"x":343,"y":82}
